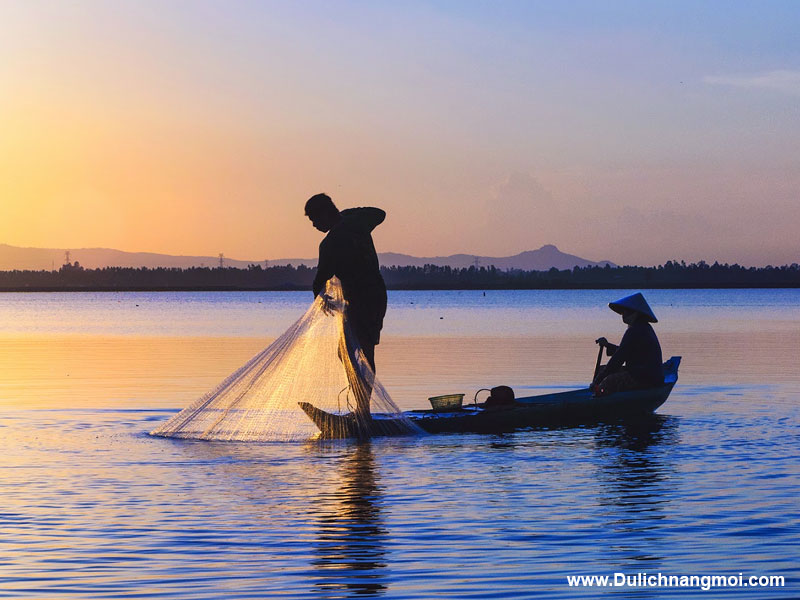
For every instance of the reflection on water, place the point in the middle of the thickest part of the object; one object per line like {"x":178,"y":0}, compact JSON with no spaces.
{"x":351,"y":555}
{"x":95,"y":508}
{"x":138,"y":372}
{"x":635,"y":471}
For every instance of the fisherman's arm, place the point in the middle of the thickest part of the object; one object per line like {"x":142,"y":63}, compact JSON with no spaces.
{"x":368,"y":217}
{"x":618,"y":356}
{"x":325,"y":269}
{"x":620,"y":353}
{"x":610,"y":348}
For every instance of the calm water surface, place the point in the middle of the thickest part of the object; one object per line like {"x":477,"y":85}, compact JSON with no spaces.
{"x":94,"y":508}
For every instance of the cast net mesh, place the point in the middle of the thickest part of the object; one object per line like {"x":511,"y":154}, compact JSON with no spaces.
{"x":315,"y":370}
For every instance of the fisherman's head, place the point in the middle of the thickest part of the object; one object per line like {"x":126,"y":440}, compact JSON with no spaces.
{"x":322,"y":212}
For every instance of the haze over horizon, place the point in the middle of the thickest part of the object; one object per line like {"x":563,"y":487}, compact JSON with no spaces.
{"x":631,"y":132}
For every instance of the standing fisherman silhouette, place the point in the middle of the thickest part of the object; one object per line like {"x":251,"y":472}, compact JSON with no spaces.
{"x":347,"y":252}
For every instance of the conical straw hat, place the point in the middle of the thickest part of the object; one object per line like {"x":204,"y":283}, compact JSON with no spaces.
{"x":634,"y":302}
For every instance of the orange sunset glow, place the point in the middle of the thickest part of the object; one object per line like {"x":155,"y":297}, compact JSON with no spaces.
{"x":202,"y":128}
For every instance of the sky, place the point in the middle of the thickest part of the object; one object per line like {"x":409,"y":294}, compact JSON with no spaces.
{"x":636,"y":132}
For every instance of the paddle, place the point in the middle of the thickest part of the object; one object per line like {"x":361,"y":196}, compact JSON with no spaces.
{"x":597,"y":364}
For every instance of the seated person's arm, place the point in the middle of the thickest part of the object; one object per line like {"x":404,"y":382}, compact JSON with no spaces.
{"x":618,"y":356}
{"x":610,"y":348}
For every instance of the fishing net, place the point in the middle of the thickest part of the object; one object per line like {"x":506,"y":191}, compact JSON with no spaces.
{"x":312,"y":381}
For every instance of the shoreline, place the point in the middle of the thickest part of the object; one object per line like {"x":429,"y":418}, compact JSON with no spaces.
{"x":112,"y":289}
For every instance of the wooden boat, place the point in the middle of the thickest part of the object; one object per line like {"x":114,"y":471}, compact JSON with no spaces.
{"x":563,"y":408}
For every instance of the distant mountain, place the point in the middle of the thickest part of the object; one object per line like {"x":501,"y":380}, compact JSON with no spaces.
{"x":543,"y":259}
{"x":37,"y":259}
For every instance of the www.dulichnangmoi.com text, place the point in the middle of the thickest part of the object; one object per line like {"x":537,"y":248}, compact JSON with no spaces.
{"x":659,"y":580}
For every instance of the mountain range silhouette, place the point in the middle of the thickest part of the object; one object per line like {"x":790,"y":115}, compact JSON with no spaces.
{"x":37,"y":259}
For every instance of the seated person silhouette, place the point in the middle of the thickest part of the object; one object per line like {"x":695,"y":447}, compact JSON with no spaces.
{"x":636,"y":362}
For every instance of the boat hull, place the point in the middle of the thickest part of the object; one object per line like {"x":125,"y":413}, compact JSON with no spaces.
{"x":333,"y":426}
{"x":561,"y":409}
{"x":567,"y":408}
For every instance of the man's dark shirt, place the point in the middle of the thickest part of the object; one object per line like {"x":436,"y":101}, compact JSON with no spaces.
{"x":347,"y":252}
{"x":640,"y":351}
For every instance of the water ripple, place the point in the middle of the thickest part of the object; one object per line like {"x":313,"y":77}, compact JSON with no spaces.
{"x":95,"y":509}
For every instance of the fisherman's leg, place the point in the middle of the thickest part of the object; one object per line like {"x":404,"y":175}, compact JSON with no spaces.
{"x":366,"y":376}
{"x":368,"y":348}
{"x":358,"y":368}
{"x":617,"y":382}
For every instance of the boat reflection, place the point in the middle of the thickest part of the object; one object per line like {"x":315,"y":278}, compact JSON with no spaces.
{"x":350,"y":547}
{"x":636,"y":469}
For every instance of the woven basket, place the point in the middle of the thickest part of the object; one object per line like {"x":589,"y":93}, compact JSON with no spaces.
{"x":446,"y":402}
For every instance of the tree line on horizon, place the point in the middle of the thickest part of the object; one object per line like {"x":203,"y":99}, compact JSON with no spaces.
{"x":672,"y":274}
